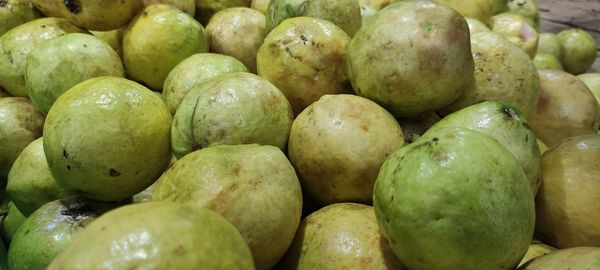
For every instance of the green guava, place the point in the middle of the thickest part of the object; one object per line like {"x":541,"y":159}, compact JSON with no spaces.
{"x":14,"y":13}
{"x":577,"y":258}
{"x":580,"y":50}
{"x":205,"y":9}
{"x":3,"y":256}
{"x":114,"y":38}
{"x":341,"y":236}
{"x":518,"y":29}
{"x":253,"y":186}
{"x":233,"y":108}
{"x":30,"y":182}
{"x":535,"y":250}
{"x":50,"y":229}
{"x":187,"y":6}
{"x":156,"y":236}
{"x":343,"y":13}
{"x":91,"y":14}
{"x":475,"y":26}
{"x":260,"y":5}
{"x":366,"y":12}
{"x":305,"y":58}
{"x":157,"y":40}
{"x":193,"y":71}
{"x":338,"y":144}
{"x":411,"y":57}
{"x":499,"y":6}
{"x":592,"y":80}
{"x":503,"y":72}
{"x":20,"y":124}
{"x":481,"y":10}
{"x":526,"y":8}
{"x":107,"y":138}
{"x":10,"y":222}
{"x":550,"y":43}
{"x":546,"y":61}
{"x":455,"y":199}
{"x":55,"y":66}
{"x":16,"y":44}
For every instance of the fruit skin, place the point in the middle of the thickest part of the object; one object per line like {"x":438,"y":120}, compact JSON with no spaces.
{"x":481,"y":10}
{"x":475,"y":26}
{"x":305,"y":58}
{"x":233,"y":108}
{"x":550,"y":43}
{"x":432,"y":43}
{"x":566,"y":204}
{"x":260,"y":5}
{"x":577,"y":258}
{"x":97,"y":137}
{"x":157,"y":235}
{"x":366,"y":12}
{"x":17,"y":43}
{"x":518,"y":29}
{"x":50,"y":229}
{"x":193,"y":71}
{"x":114,"y":38}
{"x":566,"y":108}
{"x":508,"y":127}
{"x":11,"y":222}
{"x":455,"y":199}
{"x":187,"y":6}
{"x":20,"y":124}
{"x":592,"y":81}
{"x":546,"y":61}
{"x":343,"y":13}
{"x":55,"y":66}
{"x":157,"y":40}
{"x":338,"y":144}
{"x":503,"y":73}
{"x":91,"y":14}
{"x":526,"y":8}
{"x":536,"y":249}
{"x":341,"y":236}
{"x":30,"y":182}
{"x":580,"y":50}
{"x":205,"y":9}
{"x":14,"y":13}
{"x":229,"y":178}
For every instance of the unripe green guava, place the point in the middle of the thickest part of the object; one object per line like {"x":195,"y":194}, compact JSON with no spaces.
{"x":546,"y":61}
{"x":580,"y":50}
{"x":550,"y":43}
{"x":14,"y":13}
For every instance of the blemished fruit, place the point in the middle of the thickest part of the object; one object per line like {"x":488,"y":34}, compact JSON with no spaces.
{"x":157,"y":235}
{"x":14,"y":13}
{"x":577,"y":258}
{"x":455,"y":199}
{"x":580,"y":50}
{"x":107,"y":138}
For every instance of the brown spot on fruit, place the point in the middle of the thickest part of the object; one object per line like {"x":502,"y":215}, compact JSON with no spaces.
{"x":113,"y":173}
{"x":74,"y":6}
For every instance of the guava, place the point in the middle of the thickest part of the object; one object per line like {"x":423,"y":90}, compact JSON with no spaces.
{"x":499,"y":6}
{"x":157,"y":40}
{"x":481,"y":10}
{"x":157,"y":235}
{"x":566,"y":204}
{"x":50,"y":229}
{"x":305,"y":58}
{"x":14,"y":13}
{"x":503,"y":73}
{"x":518,"y":29}
{"x":526,"y":8}
{"x":30,"y":182}
{"x":187,"y":6}
{"x":592,"y":81}
{"x":411,"y":57}
{"x":536,"y":249}
{"x":205,"y":9}
{"x":577,"y":258}
{"x":377,"y":4}
{"x":55,"y":66}
{"x":508,"y":127}
{"x":253,"y":186}
{"x":475,"y":26}
{"x":16,"y":44}
{"x":91,"y":14}
{"x":107,"y":138}
{"x":366,"y":12}
{"x":114,"y":38}
{"x":550,"y":43}
{"x":10,"y":222}
{"x":233,"y":108}
{"x":338,"y":144}
{"x":237,"y":32}
{"x":580,"y":50}
{"x":455,"y":199}
{"x":341,"y":236}
{"x":20,"y":124}
{"x":566,"y":108}
{"x":343,"y":13}
{"x":413,"y":128}
{"x":193,"y":71}
{"x":260,"y":5}
{"x":546,"y":61}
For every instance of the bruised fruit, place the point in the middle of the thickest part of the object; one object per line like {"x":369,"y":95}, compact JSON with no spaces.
{"x":580,"y":50}
{"x":577,"y":258}
{"x":14,"y":13}
{"x":107,"y":138}
{"x":518,"y":29}
{"x":411,"y":57}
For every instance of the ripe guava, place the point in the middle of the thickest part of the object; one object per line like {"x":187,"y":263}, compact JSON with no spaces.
{"x":205,"y":9}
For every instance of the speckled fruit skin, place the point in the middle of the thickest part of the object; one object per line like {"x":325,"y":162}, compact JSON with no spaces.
{"x":193,"y":71}
{"x":205,"y":9}
{"x":577,"y":258}
{"x":566,"y":108}
{"x":503,"y":72}
{"x":341,"y":236}
{"x":55,"y":66}
{"x":508,"y":127}
{"x":228,"y":179}
{"x":91,"y":14}
{"x":234,"y":108}
{"x":156,"y":236}
{"x":550,"y":43}
{"x":338,"y":144}
{"x":536,"y":249}
{"x":107,"y":138}
{"x":157,"y":40}
{"x":411,"y":57}
{"x":526,"y":8}
{"x":455,"y":199}
{"x":17,"y":43}
{"x":566,"y":204}
{"x":14,"y":13}
{"x":580,"y":50}
{"x":546,"y":61}
{"x":518,"y":29}
{"x":20,"y":124}
{"x":50,"y":229}
{"x":481,"y":10}
{"x":475,"y":26}
{"x":343,"y":13}
{"x":30,"y":182}
{"x":305,"y":58}
{"x":187,"y":6}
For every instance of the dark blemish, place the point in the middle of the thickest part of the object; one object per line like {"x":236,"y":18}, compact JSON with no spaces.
{"x":113,"y":173}
{"x":10,"y":58}
{"x":85,"y":45}
{"x":74,"y":6}
{"x":304,"y":39}
{"x":65,"y":154}
{"x":525,"y":125}
{"x":68,"y":167}
{"x":3,"y":3}
{"x":526,"y":137}
{"x":435,"y":139}
{"x":508,"y":111}
{"x":179,"y":250}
